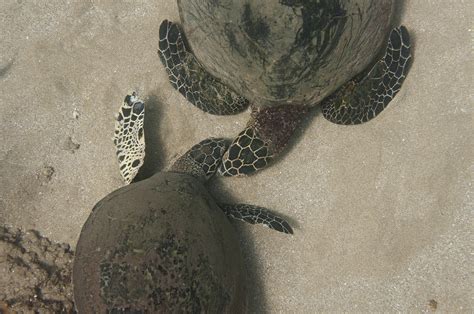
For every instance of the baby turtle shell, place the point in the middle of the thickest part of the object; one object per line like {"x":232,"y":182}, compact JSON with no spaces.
{"x":159,"y":245}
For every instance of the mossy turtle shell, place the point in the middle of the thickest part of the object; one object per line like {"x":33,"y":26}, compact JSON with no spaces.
{"x":159,"y":245}
{"x":285,"y":51}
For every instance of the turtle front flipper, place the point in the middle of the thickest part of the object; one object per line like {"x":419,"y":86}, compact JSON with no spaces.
{"x":365,"y":96}
{"x":256,"y":215}
{"x":129,"y":137}
{"x":186,"y":75}
{"x":266,"y":135}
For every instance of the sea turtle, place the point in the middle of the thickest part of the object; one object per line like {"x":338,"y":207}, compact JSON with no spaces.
{"x":163,"y":244}
{"x":284,"y":57}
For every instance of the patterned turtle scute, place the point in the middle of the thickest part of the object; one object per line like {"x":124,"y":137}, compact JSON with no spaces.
{"x":202,"y":160}
{"x":208,"y":154}
{"x":247,"y":154}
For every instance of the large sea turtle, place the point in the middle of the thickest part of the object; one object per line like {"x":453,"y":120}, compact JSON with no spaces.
{"x":163,"y":244}
{"x":284,"y":57}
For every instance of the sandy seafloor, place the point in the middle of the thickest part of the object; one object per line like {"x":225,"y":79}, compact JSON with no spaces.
{"x":383,"y":210}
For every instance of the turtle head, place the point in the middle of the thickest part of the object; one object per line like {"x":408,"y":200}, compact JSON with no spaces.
{"x":202,"y":160}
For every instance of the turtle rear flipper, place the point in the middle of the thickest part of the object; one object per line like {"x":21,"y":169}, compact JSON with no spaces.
{"x":256,"y":215}
{"x":186,"y":75}
{"x":129,"y":137}
{"x":364,"y":97}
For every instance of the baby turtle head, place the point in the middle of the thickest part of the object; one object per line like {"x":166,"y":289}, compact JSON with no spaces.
{"x":203,"y":159}
{"x":129,"y":138}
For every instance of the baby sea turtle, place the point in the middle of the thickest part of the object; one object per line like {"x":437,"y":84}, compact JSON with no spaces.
{"x":284,"y":57}
{"x":163,"y":244}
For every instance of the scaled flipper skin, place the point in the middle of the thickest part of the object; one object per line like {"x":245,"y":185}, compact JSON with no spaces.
{"x":129,"y":137}
{"x":202,"y":160}
{"x":266,"y":135}
{"x":364,"y":97}
{"x":191,"y":80}
{"x":256,"y":215}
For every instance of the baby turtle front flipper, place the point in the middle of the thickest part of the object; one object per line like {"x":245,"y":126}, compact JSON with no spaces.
{"x":191,"y":80}
{"x":256,"y":215}
{"x":129,"y":137}
{"x":266,"y":135}
{"x":364,"y":97}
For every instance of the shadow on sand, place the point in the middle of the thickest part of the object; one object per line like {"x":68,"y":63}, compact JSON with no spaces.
{"x":254,"y":266}
{"x":154,"y":154}
{"x":154,"y":160}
